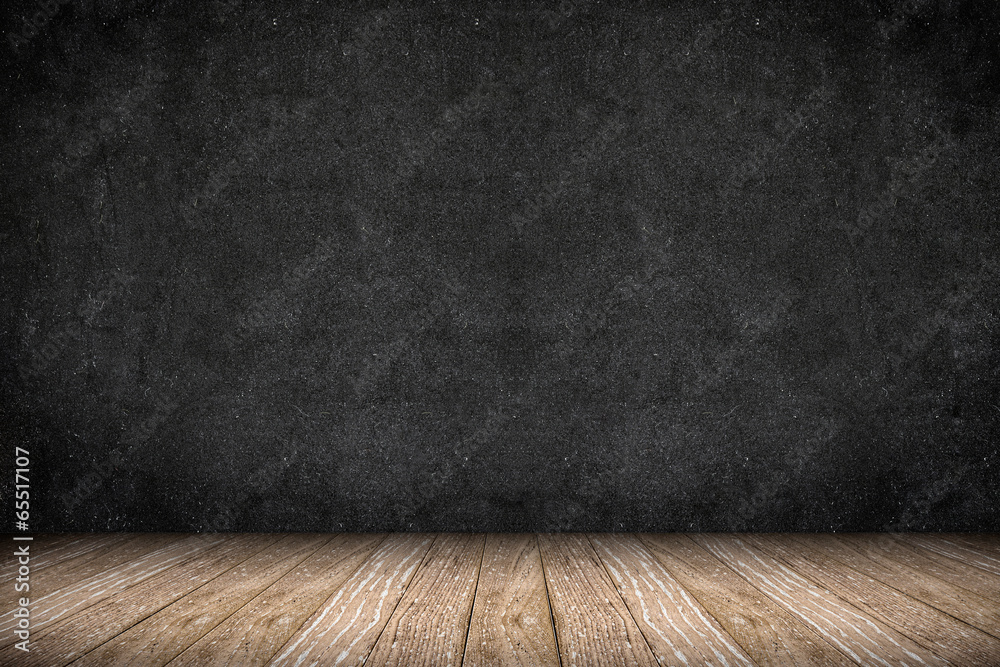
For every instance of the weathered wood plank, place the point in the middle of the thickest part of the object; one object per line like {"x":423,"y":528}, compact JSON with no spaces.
{"x":345,"y":628}
{"x":910,"y":578}
{"x":864,"y":639}
{"x":593,"y":624}
{"x":61,"y":643}
{"x":989,"y":542}
{"x":431,"y":623}
{"x":675,"y":625}
{"x":771,"y":635}
{"x":164,"y":635}
{"x":57,"y":605}
{"x":954,"y":550}
{"x":99,"y":562}
{"x":255,"y":633}
{"x":896,"y":551}
{"x":66,"y":550}
{"x":939,"y":633}
{"x":511,"y":623}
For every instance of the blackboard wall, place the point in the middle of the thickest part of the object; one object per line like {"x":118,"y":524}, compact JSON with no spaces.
{"x":691,"y":266}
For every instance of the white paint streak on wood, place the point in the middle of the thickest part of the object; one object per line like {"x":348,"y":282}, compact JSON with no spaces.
{"x":55,"y":605}
{"x":957,"y":551}
{"x":852,"y":632}
{"x":383,"y":577}
{"x":677,"y":620}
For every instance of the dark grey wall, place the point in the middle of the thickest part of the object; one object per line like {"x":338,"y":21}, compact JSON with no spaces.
{"x":704,"y":266}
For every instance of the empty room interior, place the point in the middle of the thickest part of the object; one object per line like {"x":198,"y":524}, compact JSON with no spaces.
{"x":560,"y":333}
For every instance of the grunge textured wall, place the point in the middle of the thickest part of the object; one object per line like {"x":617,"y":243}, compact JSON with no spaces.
{"x":689,"y":266}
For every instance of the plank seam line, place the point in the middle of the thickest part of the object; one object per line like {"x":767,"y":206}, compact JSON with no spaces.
{"x":184,"y":560}
{"x":656,"y":559}
{"x":963,"y":561}
{"x":475,"y":593}
{"x":548,"y":600}
{"x":852,"y":603}
{"x":621,"y":597}
{"x":939,"y":559}
{"x":402,"y":595}
{"x":903,"y":567}
{"x":777,"y":602}
{"x":306,"y":617}
{"x":245,"y":604}
{"x":199,"y":586}
{"x":86,"y":555}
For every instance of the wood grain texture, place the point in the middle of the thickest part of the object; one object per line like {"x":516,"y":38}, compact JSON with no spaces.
{"x":419,"y":633}
{"x":100,"y":561}
{"x":939,"y":633}
{"x":593,"y":624}
{"x":255,"y":633}
{"x":164,"y":635}
{"x":554,"y":599}
{"x":989,"y":542}
{"x":675,"y":625}
{"x":894,"y":550}
{"x":957,"y":551}
{"x":910,"y":578}
{"x":345,"y":628}
{"x":61,"y":643}
{"x":61,"y":550}
{"x":864,"y":639}
{"x":511,"y":623}
{"x":53,"y":607}
{"x":768,"y":633}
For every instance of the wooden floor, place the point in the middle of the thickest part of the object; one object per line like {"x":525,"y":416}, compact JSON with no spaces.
{"x":550,"y":599}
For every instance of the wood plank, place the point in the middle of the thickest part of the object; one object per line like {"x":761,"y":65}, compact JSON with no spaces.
{"x":57,"y":605}
{"x":44,"y":555}
{"x":593,"y":624}
{"x":255,"y":633}
{"x":345,"y":628}
{"x":771,"y":635}
{"x":974,"y":609}
{"x":100,"y":562}
{"x":61,"y":643}
{"x":164,"y":635}
{"x":959,"y":552}
{"x":431,"y":623}
{"x":892,"y":550}
{"x":97,"y":549}
{"x":989,"y":542}
{"x":864,"y":639}
{"x":674,"y":623}
{"x":511,"y":623}
{"x":939,"y":633}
